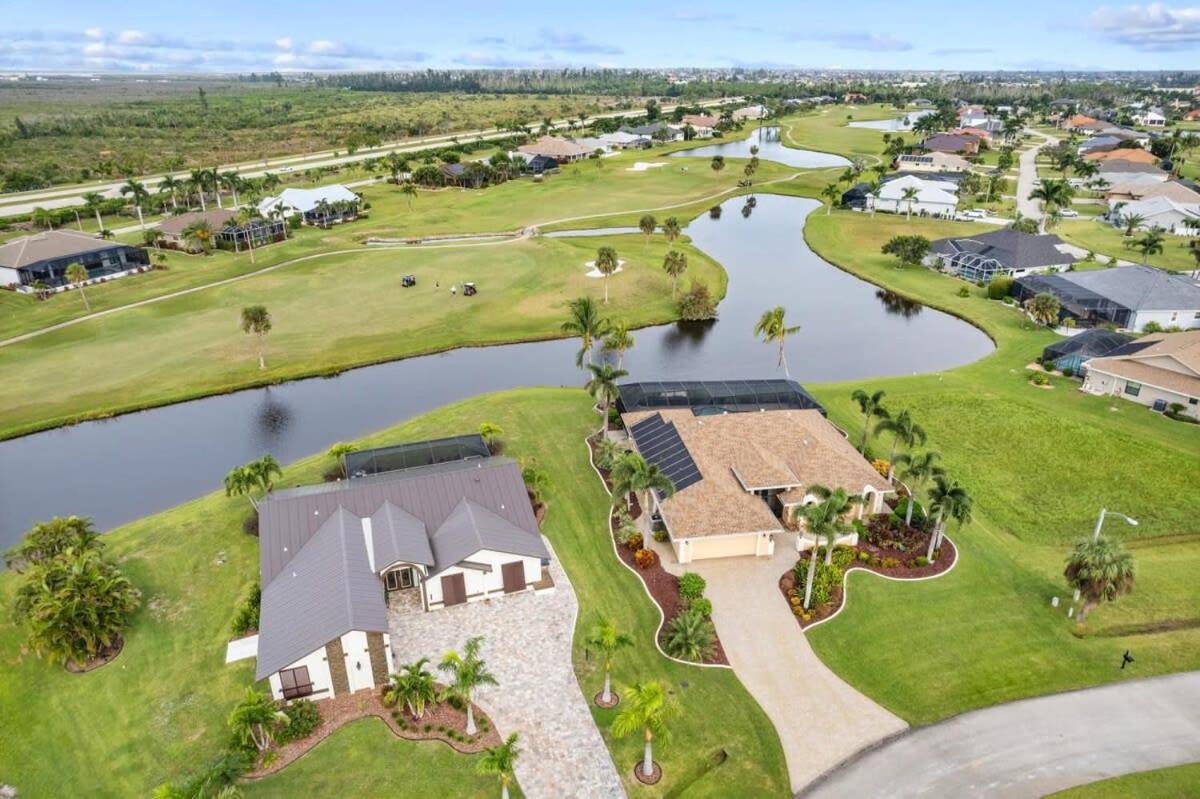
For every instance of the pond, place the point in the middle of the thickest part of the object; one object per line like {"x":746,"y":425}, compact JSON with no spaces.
{"x":899,"y":124}
{"x":130,"y":466}
{"x":770,"y":148}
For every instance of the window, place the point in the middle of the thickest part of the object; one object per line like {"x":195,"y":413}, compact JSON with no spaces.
{"x":1193,"y":401}
{"x":398,"y":579}
{"x":295,"y":682}
{"x":1133,"y":389}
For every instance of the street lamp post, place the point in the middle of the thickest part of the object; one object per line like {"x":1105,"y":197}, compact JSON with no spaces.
{"x":1104,"y":512}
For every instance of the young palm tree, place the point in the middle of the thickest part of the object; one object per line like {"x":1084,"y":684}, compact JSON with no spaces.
{"x":500,"y":760}
{"x":1102,"y":571}
{"x":42,"y":218}
{"x":634,"y":474}
{"x":831,"y":192}
{"x":409,"y":190}
{"x":671,"y":229}
{"x":647,"y":709}
{"x":256,"y":320}
{"x":77,"y":275}
{"x":1132,"y":222}
{"x":490,"y":433}
{"x":467,"y":672}
{"x":139,"y":195}
{"x":947,"y":500}
{"x":607,"y":640}
{"x":198,"y":236}
{"x":675,"y":264}
{"x":412,"y":687}
{"x":619,"y":340}
{"x":603,"y":388}
{"x":584,"y":320}
{"x":1044,"y":308}
{"x":904,"y":432}
{"x":1151,"y":243}
{"x":908,"y":195}
{"x":647,"y":224}
{"x":689,"y":636}
{"x":919,"y":468}
{"x":871,"y":407}
{"x":339,"y":451}
{"x":255,"y":718}
{"x":241,"y":480}
{"x":92,"y":201}
{"x":265,"y":470}
{"x":606,"y":263}
{"x":772,"y":327}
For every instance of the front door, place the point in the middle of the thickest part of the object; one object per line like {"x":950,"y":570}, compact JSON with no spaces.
{"x":514,"y":577}
{"x":454,"y":589}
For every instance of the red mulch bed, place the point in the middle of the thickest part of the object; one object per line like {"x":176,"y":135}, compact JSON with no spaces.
{"x":341,"y":710}
{"x":655,"y":775}
{"x":103,"y":659}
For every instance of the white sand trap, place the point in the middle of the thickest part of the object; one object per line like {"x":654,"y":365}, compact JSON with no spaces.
{"x":642,"y":166}
{"x":594,"y":272}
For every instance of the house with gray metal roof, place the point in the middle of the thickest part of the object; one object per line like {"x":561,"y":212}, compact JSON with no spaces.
{"x":1127,"y":296}
{"x":1000,"y":252}
{"x":43,"y":258}
{"x":334,"y":558}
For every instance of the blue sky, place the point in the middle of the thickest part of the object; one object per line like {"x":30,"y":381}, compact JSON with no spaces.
{"x":221,"y":36}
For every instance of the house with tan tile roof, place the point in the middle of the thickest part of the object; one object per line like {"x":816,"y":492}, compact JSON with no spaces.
{"x":561,"y":150}
{"x":702,"y":124}
{"x":1158,"y":371}
{"x":1134,"y":154}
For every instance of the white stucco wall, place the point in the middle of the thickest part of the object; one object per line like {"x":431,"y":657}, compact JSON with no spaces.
{"x":901,"y":207}
{"x":1099,"y":383}
{"x":1187,"y":319}
{"x":481,"y":585}
{"x":9,"y":276}
{"x":318,"y":672}
{"x":358,"y":667}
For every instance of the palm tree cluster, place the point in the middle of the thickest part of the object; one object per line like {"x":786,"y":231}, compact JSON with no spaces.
{"x":255,"y":476}
{"x":633,"y":474}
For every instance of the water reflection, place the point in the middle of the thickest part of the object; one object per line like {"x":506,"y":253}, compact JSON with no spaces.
{"x":683,"y":336}
{"x":770,"y":148}
{"x":714,"y":213}
{"x":898,"y":305}
{"x":273,"y":419}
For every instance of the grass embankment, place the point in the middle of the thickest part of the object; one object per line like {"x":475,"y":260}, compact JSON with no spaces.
{"x":329,"y":314}
{"x":159,"y":710}
{"x":827,"y":129}
{"x":1040,"y":464}
{"x":1107,"y":241}
{"x":1180,"y":782}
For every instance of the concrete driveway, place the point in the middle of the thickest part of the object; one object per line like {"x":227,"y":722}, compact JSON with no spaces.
{"x":1026,"y":176}
{"x":821,"y":719}
{"x":1036,"y":746}
{"x":527,"y":646}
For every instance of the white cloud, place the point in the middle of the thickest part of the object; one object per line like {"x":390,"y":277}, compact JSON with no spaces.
{"x":133,"y":37}
{"x":1150,"y":27}
{"x":93,"y":33}
{"x":284,"y":43}
{"x":323,"y":46}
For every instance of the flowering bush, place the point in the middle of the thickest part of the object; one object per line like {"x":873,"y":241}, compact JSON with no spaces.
{"x":634,"y":542}
{"x":645,"y":558}
{"x":881,"y":465}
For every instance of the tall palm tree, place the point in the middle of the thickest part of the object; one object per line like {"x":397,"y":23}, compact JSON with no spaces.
{"x":603,"y":388}
{"x":245,"y":217}
{"x":256,"y":320}
{"x":93,"y":200}
{"x":831,"y":192}
{"x":675,"y":264}
{"x":1102,"y":571}
{"x":619,"y":340}
{"x":647,"y":224}
{"x":671,"y":229}
{"x":822,"y":521}
{"x":947,"y":500}
{"x":412,"y":687}
{"x":904,"y":432}
{"x":647,"y":709}
{"x":871,"y":407}
{"x":77,"y":276}
{"x":139,"y":195}
{"x":467,"y":672}
{"x":270,"y":181}
{"x":607,"y":640}
{"x":908,"y":195}
{"x":634,"y":474}
{"x":198,"y":180}
{"x":584,"y":320}
{"x":409,"y":190}
{"x":839,"y":503}
{"x":254,"y":718}
{"x":171,"y":185}
{"x":606,"y":264}
{"x":918,"y":469}
{"x":772,"y":327}
{"x":42,"y":218}
{"x":231,"y":181}
{"x":1151,"y":243}
{"x":500,"y":760}
{"x":1053,"y":194}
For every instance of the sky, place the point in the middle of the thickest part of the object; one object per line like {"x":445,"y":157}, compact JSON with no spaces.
{"x":297,"y":35}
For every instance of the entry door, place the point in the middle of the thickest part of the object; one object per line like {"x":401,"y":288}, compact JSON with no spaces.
{"x":454,"y":589}
{"x":514,"y":577}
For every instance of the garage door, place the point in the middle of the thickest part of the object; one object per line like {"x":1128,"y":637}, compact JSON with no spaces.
{"x":723,"y":547}
{"x":454,"y":589}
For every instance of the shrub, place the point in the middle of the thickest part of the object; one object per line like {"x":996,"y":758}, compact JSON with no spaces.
{"x":703,"y":606}
{"x":635,"y":541}
{"x":1039,"y":379}
{"x":696,"y":304}
{"x":920,"y":561}
{"x":918,"y":515}
{"x":428,"y":728}
{"x":881,"y":465}
{"x":1068,"y":371}
{"x":303,"y":718}
{"x":661,"y":536}
{"x":909,"y":250}
{"x":889,"y":563}
{"x":999,"y":288}
{"x":691,"y":586}
{"x":864,"y":555}
{"x":245,"y":619}
{"x":645,"y":558}
{"x":1152,"y":327}
{"x":690,"y":636}
{"x":626,"y":527}
{"x":607,"y":453}
{"x":963,"y":291}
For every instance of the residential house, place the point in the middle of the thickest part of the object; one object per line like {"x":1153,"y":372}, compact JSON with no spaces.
{"x":857,"y":197}
{"x":1150,"y":118}
{"x":656,"y":131}
{"x":540,"y":164}
{"x":932,"y":162}
{"x":1006,"y":252}
{"x":922,"y":102}
{"x":1129,"y":297}
{"x":1077,"y":122}
{"x":743,"y":458}
{"x":951,"y":143}
{"x":452,"y":173}
{"x":933,"y":197}
{"x":703,"y":125}
{"x":564,"y":151}
{"x":334,"y":558}
{"x":44,"y":257}
{"x":1098,"y":144}
{"x":323,"y":205}
{"x":1073,"y":352}
{"x":854,"y":98}
{"x":1114,"y":172}
{"x":750,"y":112}
{"x":622,"y":140}
{"x":1134,"y":155}
{"x":1157,"y":371}
{"x":1123,"y":193}
{"x":1163,"y":213}
{"x":1192,"y":116}
{"x":228,"y":233}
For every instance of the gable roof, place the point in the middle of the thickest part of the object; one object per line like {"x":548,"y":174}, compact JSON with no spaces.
{"x":699,"y":120}
{"x":555,"y":147}
{"x":1010,"y":248}
{"x":1158,"y":205}
{"x":29,"y":250}
{"x":305,"y":200}
{"x":1132,"y":154}
{"x":217,"y":218}
{"x":1183,"y":348}
{"x":398,"y":537}
{"x":471,"y":527}
{"x":928,"y":190}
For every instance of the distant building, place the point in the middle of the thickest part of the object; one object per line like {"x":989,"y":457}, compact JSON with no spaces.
{"x":750,"y":112}
{"x":228,"y":233}
{"x":932,"y":198}
{"x":1126,"y":296}
{"x":702,"y":125}
{"x":1005,"y":252}
{"x":44,"y":258}
{"x":320,"y":206}
{"x":933,"y":162}
{"x":564,"y":151}
{"x":950,"y":143}
{"x":1157,"y":371}
{"x":1161,"y":212}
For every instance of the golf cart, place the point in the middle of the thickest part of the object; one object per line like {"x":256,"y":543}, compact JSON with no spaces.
{"x":469,"y":289}
{"x":409,"y":281}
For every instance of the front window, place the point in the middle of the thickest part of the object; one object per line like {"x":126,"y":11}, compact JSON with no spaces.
{"x":399,"y":578}
{"x":295,"y":682}
{"x":1133,"y":389}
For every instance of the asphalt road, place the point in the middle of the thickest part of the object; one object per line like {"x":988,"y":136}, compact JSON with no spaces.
{"x":1028,"y":173}
{"x":1033,"y":747}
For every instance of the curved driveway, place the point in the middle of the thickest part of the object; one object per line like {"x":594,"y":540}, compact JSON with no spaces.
{"x":1035,"y":746}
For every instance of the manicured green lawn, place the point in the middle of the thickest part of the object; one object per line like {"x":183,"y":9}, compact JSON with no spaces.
{"x":158,"y":711}
{"x":329,"y":313}
{"x":1180,"y":782}
{"x":826,"y":129}
{"x":1040,"y":464}
{"x":1108,"y":241}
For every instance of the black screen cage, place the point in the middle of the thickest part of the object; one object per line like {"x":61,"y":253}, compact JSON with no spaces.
{"x":415,"y":455}
{"x":716,"y":396}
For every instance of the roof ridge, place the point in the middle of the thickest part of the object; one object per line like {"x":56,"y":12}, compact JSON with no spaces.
{"x":343,"y":547}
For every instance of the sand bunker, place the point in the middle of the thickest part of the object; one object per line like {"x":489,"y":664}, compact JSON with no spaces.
{"x":594,"y":272}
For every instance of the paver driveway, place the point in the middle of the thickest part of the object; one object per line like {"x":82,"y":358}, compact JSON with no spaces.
{"x":527,"y":646}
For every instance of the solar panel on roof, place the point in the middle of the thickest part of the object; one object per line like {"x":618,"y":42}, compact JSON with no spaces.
{"x":659,"y":443}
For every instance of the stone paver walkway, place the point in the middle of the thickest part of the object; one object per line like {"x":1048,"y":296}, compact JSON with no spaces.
{"x":821,"y":719}
{"x":527,"y":646}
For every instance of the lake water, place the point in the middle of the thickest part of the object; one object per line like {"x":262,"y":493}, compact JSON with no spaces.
{"x":770,"y":148}
{"x":123,"y":468}
{"x":899,"y":124}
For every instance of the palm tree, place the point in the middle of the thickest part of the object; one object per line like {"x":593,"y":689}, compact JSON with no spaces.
{"x":265,"y":470}
{"x":1044,"y":308}
{"x":1151,"y":243}
{"x":919,"y":468}
{"x":245,"y":217}
{"x":254,"y":718}
{"x":1053,"y":194}
{"x":412,"y":687}
{"x":772,"y":327}
{"x":717,"y":163}
{"x":947,"y":500}
{"x":93,"y":200}
{"x":824,"y":521}
{"x":647,"y":224}
{"x":839,"y":504}
{"x":675,"y":264}
{"x":584,"y":320}
{"x":619,"y":340}
{"x":199,"y":183}
{"x":47,"y":540}
{"x":270,"y":181}
{"x":689,"y":636}
{"x":831,"y":192}
{"x":648,"y":708}
{"x":339,"y":451}
{"x":1101,"y":570}
{"x":607,"y":640}
{"x":139,"y":195}
{"x":171,"y":185}
{"x":409,"y":190}
{"x":77,"y":275}
{"x":42,"y":218}
{"x":467,"y":672}
{"x":634,"y":474}
{"x":871,"y":407}
{"x":606,"y":264}
{"x":603,"y":388}
{"x":500,"y":760}
{"x":256,"y":320}
{"x":241,"y":480}
{"x":908,"y":195}
{"x":671,"y":229}
{"x":231,"y":181}
{"x":490,"y":433}
{"x":198,"y":236}
{"x":904,"y":432}
{"x":1132,"y":222}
